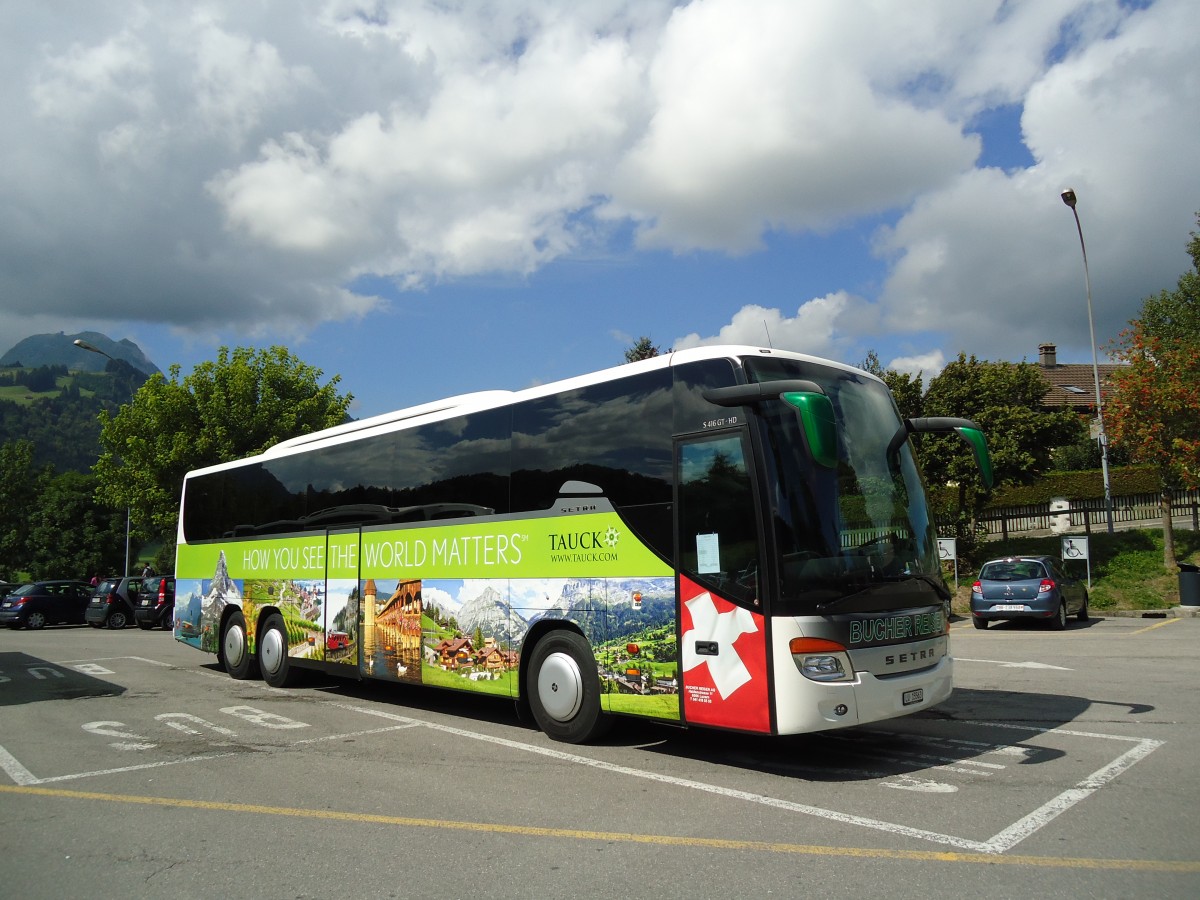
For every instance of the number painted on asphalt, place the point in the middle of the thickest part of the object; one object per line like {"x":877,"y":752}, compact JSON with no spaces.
{"x":113,"y":729}
{"x":265,"y":719}
{"x":179,"y":721}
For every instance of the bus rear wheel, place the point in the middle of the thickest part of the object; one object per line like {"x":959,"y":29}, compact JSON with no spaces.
{"x":273,"y":660}
{"x":238,"y":660}
{"x":564,"y":689}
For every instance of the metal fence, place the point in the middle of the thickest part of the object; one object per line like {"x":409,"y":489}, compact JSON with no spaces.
{"x":1129,"y":511}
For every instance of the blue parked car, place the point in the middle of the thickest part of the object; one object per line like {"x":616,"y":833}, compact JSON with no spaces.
{"x":40,"y":603}
{"x":1027,"y":587}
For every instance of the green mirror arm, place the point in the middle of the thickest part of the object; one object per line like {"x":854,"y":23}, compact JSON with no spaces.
{"x":747,"y":394}
{"x":966,"y":429}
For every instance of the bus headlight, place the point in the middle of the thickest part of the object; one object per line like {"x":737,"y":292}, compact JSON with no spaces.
{"x":821,"y":660}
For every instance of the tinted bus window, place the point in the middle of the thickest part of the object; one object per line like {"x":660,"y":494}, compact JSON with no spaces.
{"x":615,"y":435}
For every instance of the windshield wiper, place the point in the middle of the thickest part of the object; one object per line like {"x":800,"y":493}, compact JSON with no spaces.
{"x":882,"y":594}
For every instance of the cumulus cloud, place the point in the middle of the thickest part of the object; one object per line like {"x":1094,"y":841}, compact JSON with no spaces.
{"x":989,"y":261}
{"x":819,"y":327}
{"x":246,"y":165}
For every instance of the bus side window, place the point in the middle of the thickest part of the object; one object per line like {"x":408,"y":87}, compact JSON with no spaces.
{"x":718,"y":537}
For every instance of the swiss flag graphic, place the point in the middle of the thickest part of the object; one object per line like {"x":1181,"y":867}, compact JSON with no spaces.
{"x":728,"y":689}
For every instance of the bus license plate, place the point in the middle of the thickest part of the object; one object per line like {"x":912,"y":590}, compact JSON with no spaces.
{"x":913,"y":696}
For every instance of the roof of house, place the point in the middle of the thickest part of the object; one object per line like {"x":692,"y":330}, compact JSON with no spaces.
{"x":1072,"y":384}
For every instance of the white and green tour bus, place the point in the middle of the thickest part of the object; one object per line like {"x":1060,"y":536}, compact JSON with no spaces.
{"x":730,"y":537}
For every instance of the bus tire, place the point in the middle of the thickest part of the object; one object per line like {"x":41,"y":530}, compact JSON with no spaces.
{"x":564,"y":688}
{"x":235,"y":652}
{"x":273,"y":659}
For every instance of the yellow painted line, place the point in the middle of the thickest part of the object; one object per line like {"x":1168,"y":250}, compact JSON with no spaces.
{"x":1158,"y":624}
{"x":661,"y":840}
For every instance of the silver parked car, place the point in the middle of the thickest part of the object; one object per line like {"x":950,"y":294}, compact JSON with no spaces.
{"x":1027,"y":587}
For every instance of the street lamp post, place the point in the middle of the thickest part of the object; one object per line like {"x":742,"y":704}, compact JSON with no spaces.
{"x":92,"y":348}
{"x":1068,"y":197}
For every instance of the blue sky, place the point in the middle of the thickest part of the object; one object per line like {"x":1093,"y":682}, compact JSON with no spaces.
{"x":433,"y":198}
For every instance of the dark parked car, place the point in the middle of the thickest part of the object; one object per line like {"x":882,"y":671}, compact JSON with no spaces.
{"x":113,"y":602}
{"x":1027,"y":587}
{"x":40,"y":603}
{"x":156,"y":605}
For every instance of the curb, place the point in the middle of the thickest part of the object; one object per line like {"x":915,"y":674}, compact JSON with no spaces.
{"x":1175,"y":612}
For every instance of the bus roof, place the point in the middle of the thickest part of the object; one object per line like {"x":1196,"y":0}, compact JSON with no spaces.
{"x":483,"y":400}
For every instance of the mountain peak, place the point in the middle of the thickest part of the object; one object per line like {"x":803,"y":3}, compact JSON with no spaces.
{"x":60,"y":350}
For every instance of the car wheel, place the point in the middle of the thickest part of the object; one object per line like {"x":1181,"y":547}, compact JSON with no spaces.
{"x":979,"y":623}
{"x":235,"y":653}
{"x":35,"y":621}
{"x":1082,"y":615}
{"x":1059,"y":622}
{"x":165,"y":624}
{"x":273,"y":657}
{"x":117,"y":619}
{"x":564,"y":688}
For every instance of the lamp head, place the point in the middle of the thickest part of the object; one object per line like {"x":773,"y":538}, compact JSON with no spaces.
{"x":1068,"y":197}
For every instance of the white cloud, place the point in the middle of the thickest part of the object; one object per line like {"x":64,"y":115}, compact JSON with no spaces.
{"x":239,"y":166}
{"x":927,"y":365}
{"x":818,"y":327}
{"x":989,"y":262}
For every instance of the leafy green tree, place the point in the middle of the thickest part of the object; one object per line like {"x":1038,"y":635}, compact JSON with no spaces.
{"x":1006,"y":400}
{"x":906,"y":389}
{"x":238,"y":405}
{"x":643,"y":348}
{"x":70,"y":536}
{"x":1154,"y":411}
{"x":18,"y":492}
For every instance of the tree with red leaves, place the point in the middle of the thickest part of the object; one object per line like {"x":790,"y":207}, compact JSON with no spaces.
{"x":1154,"y":411}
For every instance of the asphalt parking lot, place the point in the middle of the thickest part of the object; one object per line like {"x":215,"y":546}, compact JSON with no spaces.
{"x":1063,"y":765}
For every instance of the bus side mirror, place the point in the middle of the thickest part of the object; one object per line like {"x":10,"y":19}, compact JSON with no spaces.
{"x":806,"y":397}
{"x":818,"y":424}
{"x":971,"y":434}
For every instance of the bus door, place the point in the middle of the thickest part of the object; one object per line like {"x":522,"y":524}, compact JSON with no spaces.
{"x":342,"y":608}
{"x":723,"y":646}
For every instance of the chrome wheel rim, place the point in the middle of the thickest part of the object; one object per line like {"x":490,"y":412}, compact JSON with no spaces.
{"x":234,"y":646}
{"x":271,"y":650}
{"x":560,"y":687}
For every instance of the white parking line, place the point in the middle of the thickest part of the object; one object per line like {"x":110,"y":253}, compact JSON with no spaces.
{"x":775,"y":802}
{"x":1001,"y":842}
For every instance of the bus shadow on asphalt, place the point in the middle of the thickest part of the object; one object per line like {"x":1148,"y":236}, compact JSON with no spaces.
{"x":30,"y":679}
{"x":956,"y":732}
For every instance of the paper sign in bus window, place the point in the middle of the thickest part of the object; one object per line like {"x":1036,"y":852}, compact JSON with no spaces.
{"x":708,"y":553}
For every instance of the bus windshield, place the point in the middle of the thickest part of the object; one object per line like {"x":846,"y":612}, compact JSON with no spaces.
{"x":857,"y":536}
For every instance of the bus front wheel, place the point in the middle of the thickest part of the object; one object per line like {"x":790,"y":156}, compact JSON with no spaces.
{"x":564,"y":689}
{"x":273,"y":657}
{"x":239,"y":662}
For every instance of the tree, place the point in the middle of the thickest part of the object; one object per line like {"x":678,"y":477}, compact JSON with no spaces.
{"x":643,"y":348}
{"x":906,"y":389}
{"x":1006,"y":400}
{"x":70,"y":536}
{"x":18,"y":492}
{"x":1154,"y":410}
{"x":238,"y":405}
